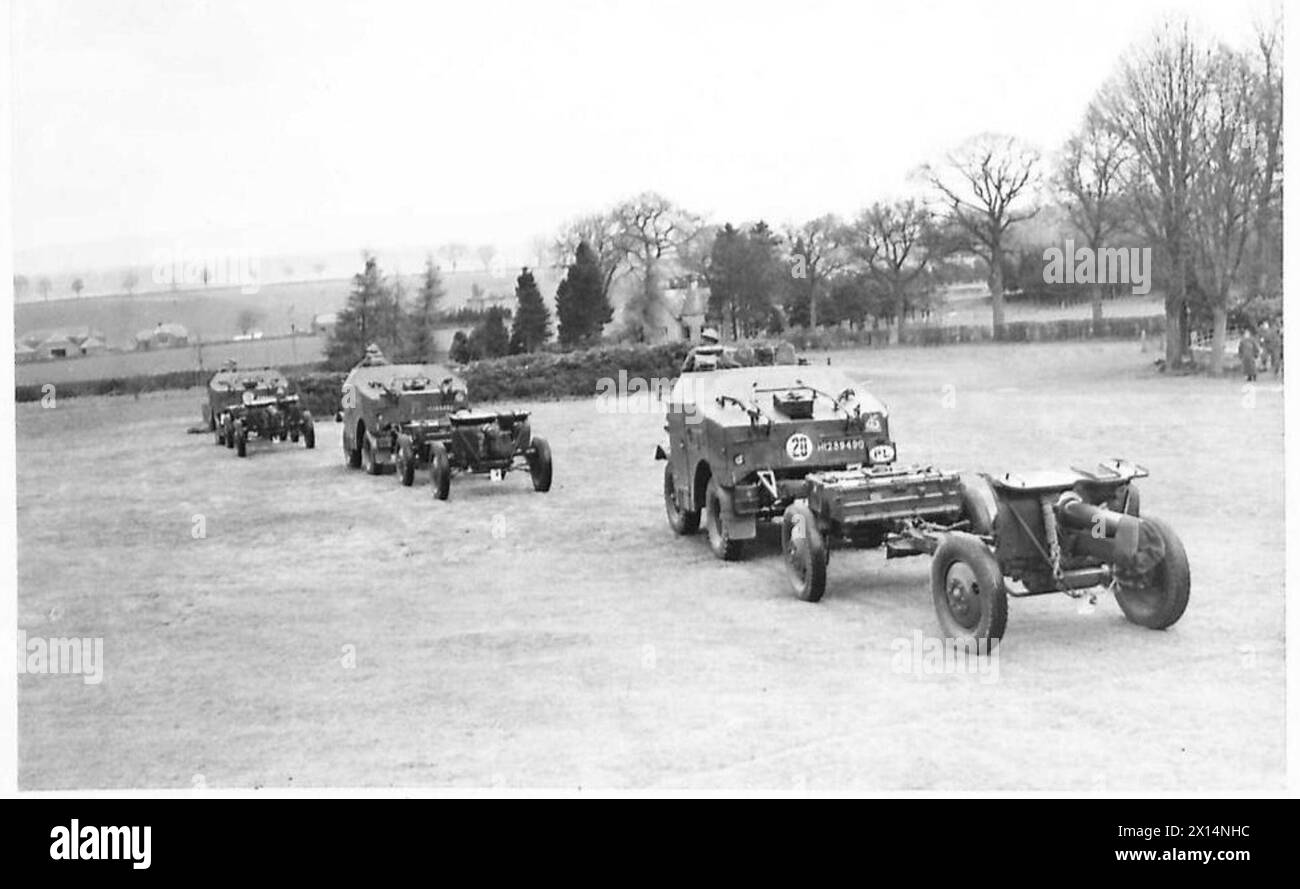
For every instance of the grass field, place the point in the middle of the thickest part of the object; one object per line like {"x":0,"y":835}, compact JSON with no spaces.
{"x":213,"y":314}
{"x":509,"y":638}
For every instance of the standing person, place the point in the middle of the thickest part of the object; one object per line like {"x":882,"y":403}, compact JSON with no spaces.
{"x":1248,"y":352}
{"x":1271,"y":342}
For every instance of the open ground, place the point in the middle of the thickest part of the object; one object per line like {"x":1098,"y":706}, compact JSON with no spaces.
{"x":332,"y":628}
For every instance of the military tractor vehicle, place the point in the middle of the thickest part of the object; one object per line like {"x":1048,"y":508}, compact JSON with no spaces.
{"x":255,"y":403}
{"x":1011,"y":535}
{"x":811,"y":448}
{"x":743,"y":442}
{"x":413,"y":416}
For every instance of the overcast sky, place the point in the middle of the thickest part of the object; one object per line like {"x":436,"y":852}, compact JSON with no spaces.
{"x":303,"y":126}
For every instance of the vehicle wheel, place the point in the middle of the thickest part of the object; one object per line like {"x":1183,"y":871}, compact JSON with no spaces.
{"x":212,"y":422}
{"x":229,"y":436}
{"x":979,"y":503}
{"x":717,"y":500}
{"x":682,"y":521}
{"x":439,"y":470}
{"x":241,"y":441}
{"x":309,"y":432}
{"x":969,"y":594}
{"x":405,"y":462}
{"x":805,"y":552}
{"x":539,"y":465}
{"x":368,"y":461}
{"x":1153,"y":592}
{"x":352,"y":454}
{"x":220,"y":434}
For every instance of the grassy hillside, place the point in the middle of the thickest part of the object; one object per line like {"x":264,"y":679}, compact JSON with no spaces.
{"x":213,"y":314}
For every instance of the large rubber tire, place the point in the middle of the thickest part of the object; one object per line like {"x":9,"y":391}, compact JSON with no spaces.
{"x":405,"y":461}
{"x":539,"y":465}
{"x":979,"y":503}
{"x":805,"y":552}
{"x":368,"y":461}
{"x":970,"y":597}
{"x":352,"y":455}
{"x":717,"y":502}
{"x":1157,"y":598}
{"x":212,"y":422}
{"x":682,"y":521}
{"x":439,"y":470}
{"x":219,"y":434}
{"x":230,"y":435}
{"x":309,"y":432}
{"x":241,"y":441}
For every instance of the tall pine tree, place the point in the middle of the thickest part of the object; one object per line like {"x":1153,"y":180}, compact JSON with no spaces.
{"x":580,"y":302}
{"x":421,"y":345}
{"x":372,"y":315}
{"x":532,"y":325}
{"x":491,"y":339}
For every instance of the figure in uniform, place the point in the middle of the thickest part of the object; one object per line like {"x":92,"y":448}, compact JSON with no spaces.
{"x":708,"y":355}
{"x":1248,"y":352}
{"x":373,"y":357}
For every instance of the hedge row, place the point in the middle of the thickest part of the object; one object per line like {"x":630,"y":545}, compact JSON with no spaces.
{"x":575,"y":374}
{"x":552,"y":375}
{"x":526,"y":377}
{"x":134,"y":385}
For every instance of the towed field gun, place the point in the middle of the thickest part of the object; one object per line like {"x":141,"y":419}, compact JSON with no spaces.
{"x":811,"y":448}
{"x":255,"y":403}
{"x":414,"y":416}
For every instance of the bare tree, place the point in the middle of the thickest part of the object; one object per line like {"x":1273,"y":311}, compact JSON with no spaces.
{"x":44,"y":285}
{"x":1267,"y":60}
{"x":130,"y":281}
{"x":894,"y":244}
{"x":816,"y":254}
{"x":247,"y":320}
{"x":453,"y":253}
{"x":603,"y":234}
{"x":486,"y":253}
{"x":1158,"y":102}
{"x":21,"y":284}
{"x":651,"y":229}
{"x":1228,"y":184}
{"x":78,"y":285}
{"x":1090,"y":174}
{"x":979,"y":184}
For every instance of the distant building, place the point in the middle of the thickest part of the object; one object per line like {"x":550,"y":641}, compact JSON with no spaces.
{"x":163,"y":336}
{"x":58,"y":346}
{"x":93,"y":346}
{"x":77,"y":334}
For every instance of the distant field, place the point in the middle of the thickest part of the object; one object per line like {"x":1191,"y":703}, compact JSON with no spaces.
{"x":279,"y":352}
{"x":213,"y":314}
{"x":978,"y":311}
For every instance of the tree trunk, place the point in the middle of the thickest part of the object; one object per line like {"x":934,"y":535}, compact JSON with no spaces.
{"x":1096,"y":304}
{"x":1175,"y":300}
{"x":900,"y":312}
{"x":995,"y":288}
{"x":1220,"y":338}
{"x":812,"y":306}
